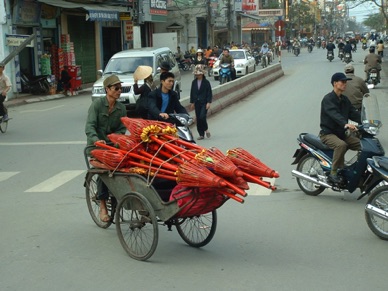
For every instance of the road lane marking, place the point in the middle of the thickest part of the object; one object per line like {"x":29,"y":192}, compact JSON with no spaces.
{"x":55,"y":181}
{"x":6,"y":175}
{"x":41,"y":110}
{"x":75,"y":142}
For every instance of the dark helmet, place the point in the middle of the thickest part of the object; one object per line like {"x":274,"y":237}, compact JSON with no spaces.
{"x":165,"y":66}
{"x":372,"y":49}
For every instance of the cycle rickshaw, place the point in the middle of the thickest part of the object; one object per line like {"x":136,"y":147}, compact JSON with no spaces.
{"x":137,"y":208}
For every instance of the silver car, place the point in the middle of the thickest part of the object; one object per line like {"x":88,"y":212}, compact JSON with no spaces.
{"x":124,"y":64}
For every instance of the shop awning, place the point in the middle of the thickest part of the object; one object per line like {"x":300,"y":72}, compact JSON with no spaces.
{"x":96,"y":12}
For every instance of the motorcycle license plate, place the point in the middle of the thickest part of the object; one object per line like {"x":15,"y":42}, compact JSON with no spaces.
{"x":373,"y":75}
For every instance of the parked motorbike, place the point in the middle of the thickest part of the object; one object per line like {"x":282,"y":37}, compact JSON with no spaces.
{"x":225,"y":73}
{"x":364,"y":46}
{"x":314,"y":159}
{"x":373,"y":78}
{"x":347,"y":58}
{"x":35,"y":85}
{"x":296,"y":50}
{"x":330,"y":55}
{"x":210,"y":63}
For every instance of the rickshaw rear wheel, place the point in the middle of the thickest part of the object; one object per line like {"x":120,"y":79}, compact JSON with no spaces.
{"x":94,"y":204}
{"x":198,"y":231}
{"x":137,"y":226}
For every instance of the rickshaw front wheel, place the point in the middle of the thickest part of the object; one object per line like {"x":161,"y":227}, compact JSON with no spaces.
{"x":137,"y":226}
{"x":93,"y":202}
{"x":198,"y":231}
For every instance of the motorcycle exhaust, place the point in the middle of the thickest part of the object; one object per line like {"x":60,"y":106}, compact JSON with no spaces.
{"x":376,"y":211}
{"x":310,"y":179}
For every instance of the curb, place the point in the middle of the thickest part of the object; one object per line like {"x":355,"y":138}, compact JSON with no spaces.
{"x":27,"y":99}
{"x":231,"y":92}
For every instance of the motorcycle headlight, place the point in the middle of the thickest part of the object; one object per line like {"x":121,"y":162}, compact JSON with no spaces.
{"x":369,"y":169}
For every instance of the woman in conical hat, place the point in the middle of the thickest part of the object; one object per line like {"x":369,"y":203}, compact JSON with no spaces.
{"x":143,"y":73}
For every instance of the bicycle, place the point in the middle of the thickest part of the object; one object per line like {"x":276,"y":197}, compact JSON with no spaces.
{"x":3,"y":124}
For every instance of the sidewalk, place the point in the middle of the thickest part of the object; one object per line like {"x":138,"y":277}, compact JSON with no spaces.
{"x":24,"y":98}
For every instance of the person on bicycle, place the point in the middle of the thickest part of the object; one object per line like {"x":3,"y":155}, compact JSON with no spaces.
{"x":104,"y":117}
{"x":5,"y":86}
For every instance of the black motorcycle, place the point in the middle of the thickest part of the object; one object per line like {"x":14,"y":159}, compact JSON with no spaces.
{"x":309,"y":47}
{"x":330,"y":55}
{"x":373,"y":77}
{"x":348,"y":58}
{"x":314,"y":159}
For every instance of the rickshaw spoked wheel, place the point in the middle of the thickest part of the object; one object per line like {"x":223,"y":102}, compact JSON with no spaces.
{"x":137,"y":226}
{"x":94,"y":204}
{"x":198,"y":231}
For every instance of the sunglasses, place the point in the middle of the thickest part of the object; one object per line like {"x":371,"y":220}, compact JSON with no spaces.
{"x":117,"y":88}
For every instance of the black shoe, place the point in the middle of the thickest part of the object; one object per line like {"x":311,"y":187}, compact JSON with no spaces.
{"x":334,"y":179}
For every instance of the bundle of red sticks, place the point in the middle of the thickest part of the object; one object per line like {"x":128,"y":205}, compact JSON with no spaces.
{"x":153,"y":149}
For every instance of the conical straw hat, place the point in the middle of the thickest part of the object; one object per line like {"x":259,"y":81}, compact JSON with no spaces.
{"x":142,"y":72}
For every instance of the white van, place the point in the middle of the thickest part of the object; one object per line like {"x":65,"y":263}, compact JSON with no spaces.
{"x":124,"y":64}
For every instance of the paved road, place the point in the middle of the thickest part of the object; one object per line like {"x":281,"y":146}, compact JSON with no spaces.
{"x":282,"y":240}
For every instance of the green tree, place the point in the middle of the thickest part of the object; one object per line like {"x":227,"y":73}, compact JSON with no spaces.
{"x":375,"y":21}
{"x":301,"y":15}
{"x":382,"y":5}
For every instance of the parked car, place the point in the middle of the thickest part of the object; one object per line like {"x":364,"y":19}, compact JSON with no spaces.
{"x":244,"y":63}
{"x":124,"y":64}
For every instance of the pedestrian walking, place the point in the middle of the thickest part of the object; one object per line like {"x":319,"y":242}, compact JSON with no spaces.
{"x":200,"y":99}
{"x":143,"y":73}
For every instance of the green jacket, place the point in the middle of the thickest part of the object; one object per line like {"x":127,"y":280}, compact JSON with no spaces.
{"x":100,"y":123}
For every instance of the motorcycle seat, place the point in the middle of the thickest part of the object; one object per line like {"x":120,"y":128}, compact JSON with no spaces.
{"x":382,"y":162}
{"x":315,"y":141}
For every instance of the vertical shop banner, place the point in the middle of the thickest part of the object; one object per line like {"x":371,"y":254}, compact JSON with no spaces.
{"x":158,"y":7}
{"x":250,"y":5}
{"x":238,"y":5}
{"x":128,"y":31}
{"x":214,"y":7}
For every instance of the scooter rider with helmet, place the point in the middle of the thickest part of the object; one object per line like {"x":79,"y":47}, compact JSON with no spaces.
{"x":348,"y":49}
{"x":341,"y":47}
{"x":330,"y":47}
{"x":372,"y":60}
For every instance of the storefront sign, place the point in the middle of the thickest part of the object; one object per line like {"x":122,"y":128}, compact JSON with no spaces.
{"x":17,"y":39}
{"x":125,"y":16}
{"x":270,"y":12}
{"x":128,"y":31}
{"x":249,"y":5}
{"x":100,"y":15}
{"x":27,"y":13}
{"x":158,"y":7}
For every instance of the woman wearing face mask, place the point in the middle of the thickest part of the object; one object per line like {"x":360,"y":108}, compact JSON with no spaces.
{"x":143,"y":73}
